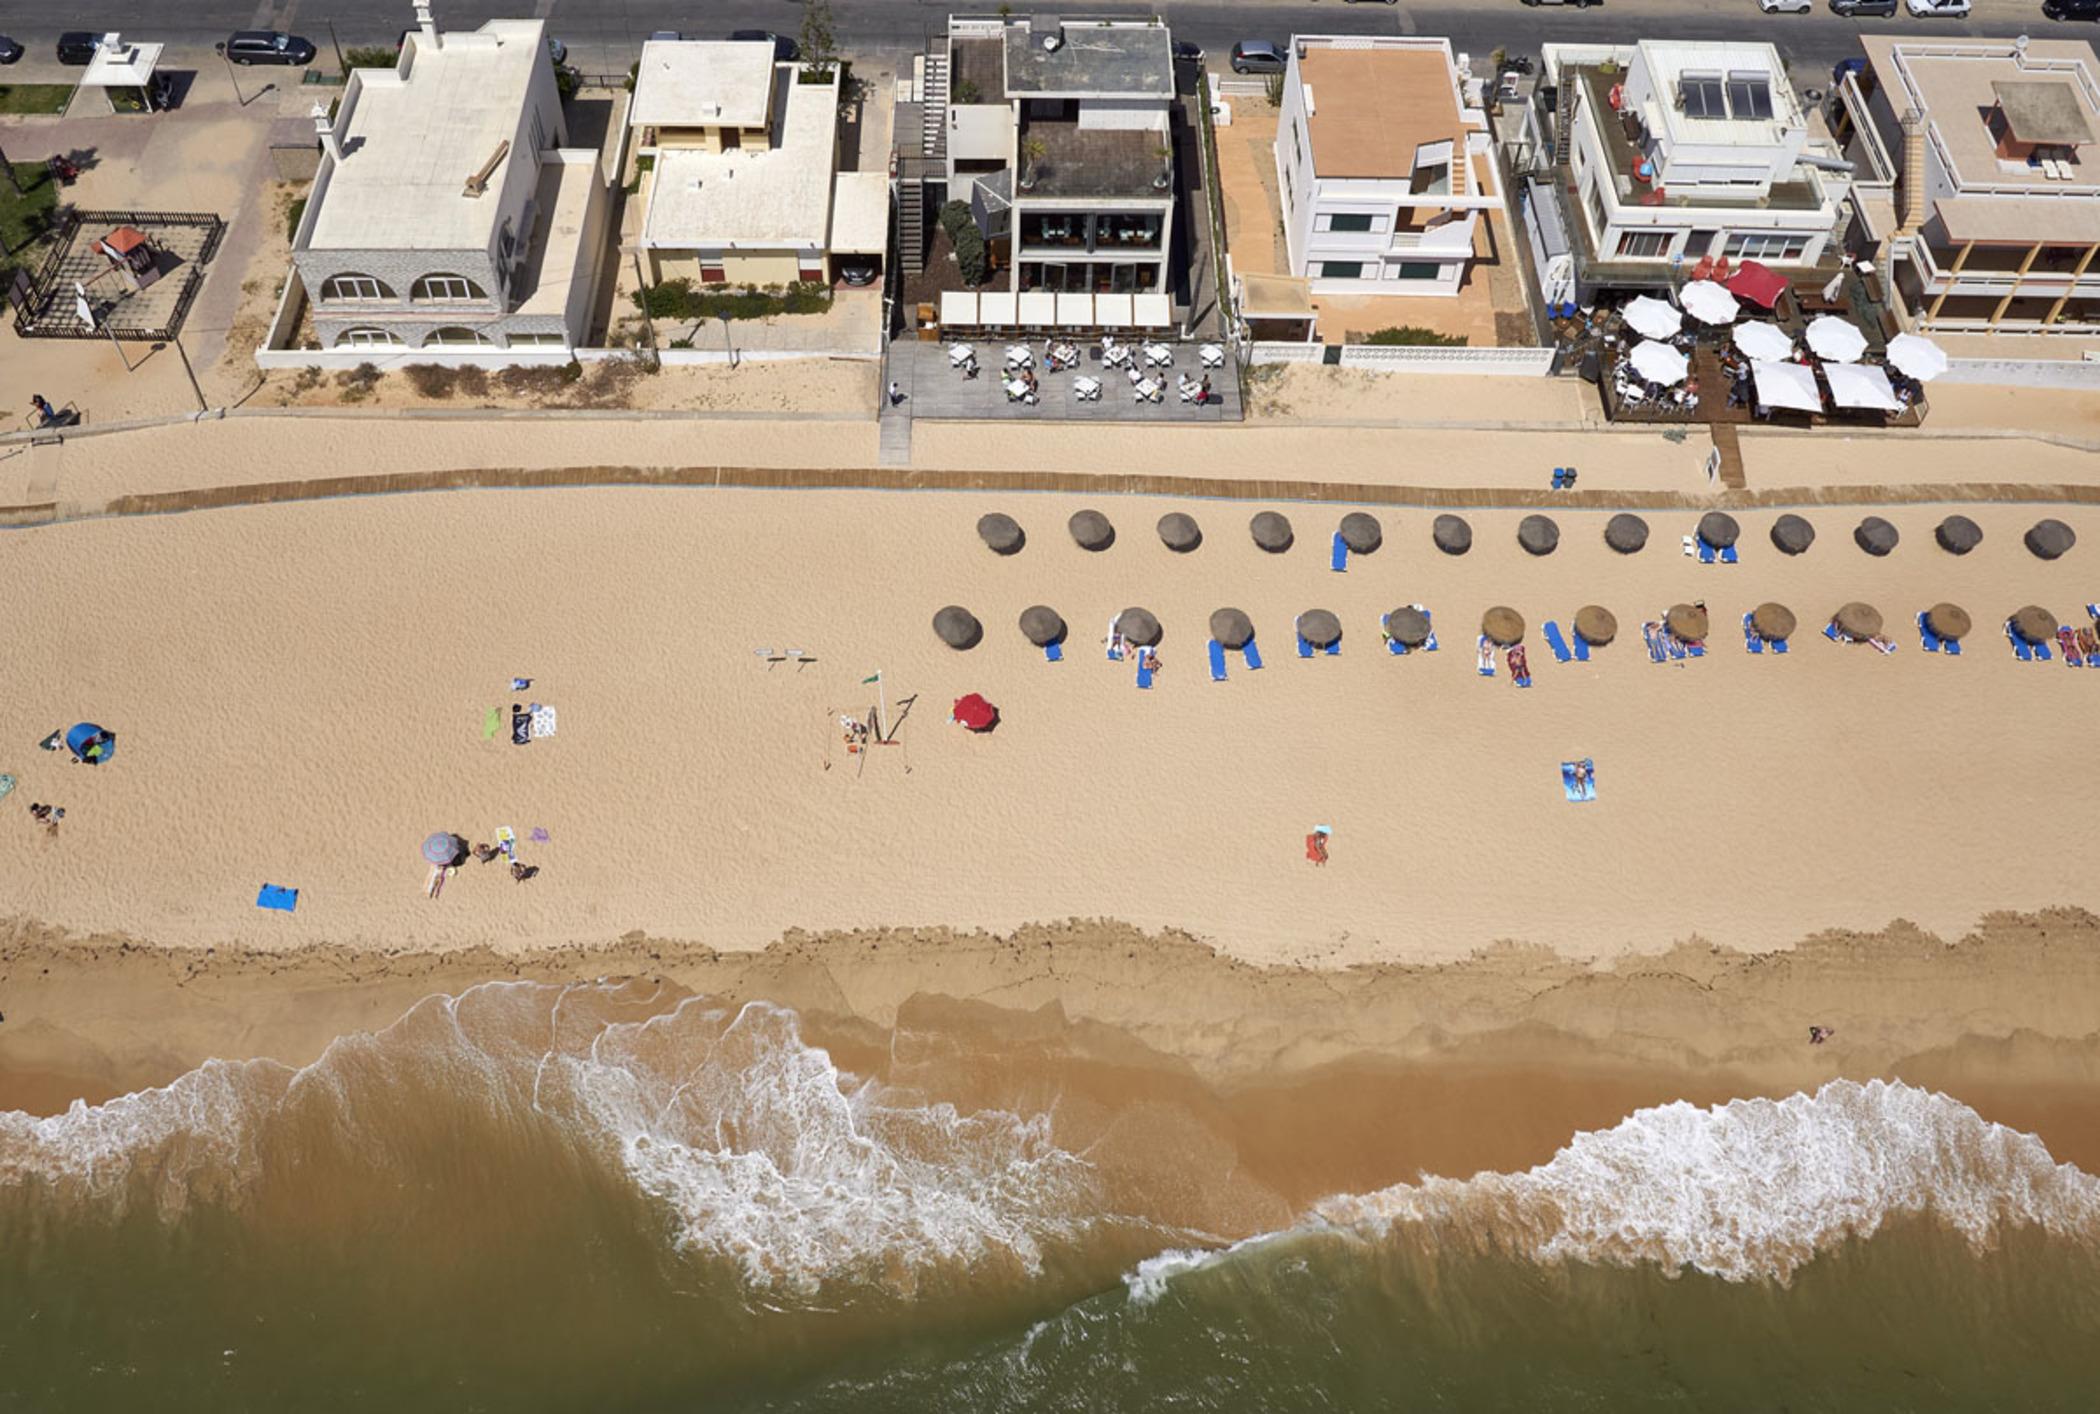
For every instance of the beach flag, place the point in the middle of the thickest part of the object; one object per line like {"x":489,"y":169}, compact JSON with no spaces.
{"x":876,"y":678}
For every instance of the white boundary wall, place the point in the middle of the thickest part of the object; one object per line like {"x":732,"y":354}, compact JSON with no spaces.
{"x":1405,"y":358}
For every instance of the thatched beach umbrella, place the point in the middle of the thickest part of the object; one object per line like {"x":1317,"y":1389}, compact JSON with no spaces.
{"x":1232,"y":628}
{"x":1773,"y":622}
{"x":2035,"y":624}
{"x":1042,"y":625}
{"x":958,"y":627}
{"x":1001,"y":532}
{"x":1319,"y":627}
{"x":1180,"y":532}
{"x":1408,"y":625}
{"x":1950,"y":621}
{"x":1271,"y":531}
{"x":1502,"y":625}
{"x":1092,"y":530}
{"x":1139,"y":626}
{"x":1792,"y":535}
{"x":1596,"y":625}
{"x":1858,"y":620}
{"x":1686,"y":621}
{"x":1452,"y":535}
{"x":1538,"y":534}
{"x":1718,"y":529}
{"x":2051,"y":538}
{"x":1625,"y":533}
{"x":1958,"y":535}
{"x":1875,"y":536}
{"x":1361,"y":533}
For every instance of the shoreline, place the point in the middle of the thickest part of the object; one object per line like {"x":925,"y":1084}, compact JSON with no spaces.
{"x":1316,"y":1080}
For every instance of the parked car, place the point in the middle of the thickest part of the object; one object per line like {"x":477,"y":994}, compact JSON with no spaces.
{"x":2051,"y":9}
{"x":1786,"y":7}
{"x":1187,"y":52}
{"x":1257,"y":56}
{"x":785,"y":50}
{"x":1944,"y":9}
{"x":1864,"y":9}
{"x":267,"y":46}
{"x":557,"y":51}
{"x":860,"y":273}
{"x":1370,"y":2}
{"x":77,"y":46}
{"x":9,"y":50}
{"x":670,"y":34}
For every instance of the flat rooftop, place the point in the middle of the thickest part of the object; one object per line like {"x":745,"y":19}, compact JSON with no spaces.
{"x":743,"y":198}
{"x":696,"y":83}
{"x":1106,"y":163}
{"x":1802,"y":193}
{"x":411,"y":143}
{"x":1089,"y":59}
{"x":1957,"y":83}
{"x":1371,"y":108}
{"x":1669,"y":60}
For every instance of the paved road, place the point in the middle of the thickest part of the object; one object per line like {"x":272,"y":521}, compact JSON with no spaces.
{"x":603,"y":35}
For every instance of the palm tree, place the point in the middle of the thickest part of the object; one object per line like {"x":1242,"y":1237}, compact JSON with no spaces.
{"x":1033,"y":150}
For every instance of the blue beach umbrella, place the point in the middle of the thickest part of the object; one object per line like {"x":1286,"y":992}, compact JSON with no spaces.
{"x":91,"y":743}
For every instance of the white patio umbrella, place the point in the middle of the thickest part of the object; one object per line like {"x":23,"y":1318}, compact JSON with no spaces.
{"x":1835,"y":339}
{"x":1659,"y":363}
{"x":1787,"y":385}
{"x":1652,"y":318}
{"x":1762,"y":341}
{"x":1860,"y":385}
{"x":1916,"y":356}
{"x":1709,"y":303}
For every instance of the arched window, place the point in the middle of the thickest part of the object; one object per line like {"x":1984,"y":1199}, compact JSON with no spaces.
{"x":453,"y":334}
{"x":354,"y":287}
{"x":367,"y":338}
{"x":446,"y":288}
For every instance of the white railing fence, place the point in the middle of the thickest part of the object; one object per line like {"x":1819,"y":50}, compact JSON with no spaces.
{"x":1411,"y":358}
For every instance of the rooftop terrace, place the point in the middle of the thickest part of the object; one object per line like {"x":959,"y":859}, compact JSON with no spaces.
{"x":1096,"y":162}
{"x":1803,"y":193}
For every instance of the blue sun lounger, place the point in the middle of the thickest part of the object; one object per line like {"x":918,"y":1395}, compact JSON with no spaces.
{"x":1830,"y":631}
{"x":1558,"y":644}
{"x":1305,"y":648}
{"x":1392,"y":645}
{"x":1339,"y":561}
{"x":1927,"y":639}
{"x":1951,"y":647}
{"x":2042,"y":653}
{"x":1252,"y":655}
{"x":1144,"y":673}
{"x":1676,"y":647}
{"x":1217,"y":661}
{"x":1728,"y":555}
{"x":1334,"y":649}
{"x":1779,"y":645}
{"x":274,"y":896}
{"x":1656,"y":652}
{"x":2019,"y":644}
{"x":1706,"y":553}
{"x":1054,"y":652}
{"x":1697,"y":650}
{"x":1750,"y":639}
{"x":1581,"y":646}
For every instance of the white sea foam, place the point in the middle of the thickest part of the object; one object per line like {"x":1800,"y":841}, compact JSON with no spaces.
{"x":763,"y":1152}
{"x":1755,"y":1188}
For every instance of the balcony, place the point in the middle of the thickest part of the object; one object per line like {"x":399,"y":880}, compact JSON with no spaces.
{"x":1093,"y":163}
{"x":1059,"y":234}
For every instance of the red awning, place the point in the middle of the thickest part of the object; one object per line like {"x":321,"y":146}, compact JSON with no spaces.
{"x":976,"y":713}
{"x":1758,"y":284}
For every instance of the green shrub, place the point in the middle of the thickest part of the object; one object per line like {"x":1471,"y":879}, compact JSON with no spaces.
{"x":954,"y":216}
{"x":431,"y":380}
{"x":971,"y":257}
{"x":371,"y":56}
{"x":293,"y":215}
{"x":667,"y":299}
{"x":1409,"y":334}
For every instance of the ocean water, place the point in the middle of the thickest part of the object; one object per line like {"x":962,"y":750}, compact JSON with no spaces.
{"x":533,"y":1198}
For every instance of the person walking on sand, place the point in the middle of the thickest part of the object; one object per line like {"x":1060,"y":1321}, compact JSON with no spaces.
{"x":520,"y":872}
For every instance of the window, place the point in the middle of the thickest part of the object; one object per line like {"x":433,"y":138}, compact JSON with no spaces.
{"x":453,"y":334}
{"x":1750,"y":95}
{"x":1347,"y":221}
{"x":1702,"y":96}
{"x":1596,"y":209}
{"x":1414,"y":270}
{"x":1643,"y":245}
{"x":451,"y":288}
{"x":365,"y":338}
{"x":537,"y":340}
{"x":354,"y":287}
{"x":1341,"y":270}
{"x":1297,"y":147}
{"x":1771,"y":246}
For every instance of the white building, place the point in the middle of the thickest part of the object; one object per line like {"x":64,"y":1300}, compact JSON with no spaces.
{"x":1979,"y":178}
{"x":1677,"y":150}
{"x":743,"y":185}
{"x":446,"y":212}
{"x":1384,"y":168}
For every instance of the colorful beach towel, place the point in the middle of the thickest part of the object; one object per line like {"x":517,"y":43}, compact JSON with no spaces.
{"x":7,"y":783}
{"x":491,"y":723}
{"x":274,"y":896}
{"x":543,"y":721}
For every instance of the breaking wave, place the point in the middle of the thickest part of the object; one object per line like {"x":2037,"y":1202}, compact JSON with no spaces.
{"x":757,"y":1147}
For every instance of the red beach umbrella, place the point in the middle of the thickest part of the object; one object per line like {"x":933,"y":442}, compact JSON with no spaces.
{"x":1757,"y":283}
{"x":976,"y":713}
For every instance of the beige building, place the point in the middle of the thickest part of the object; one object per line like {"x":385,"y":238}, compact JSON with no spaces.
{"x":1979,"y":179}
{"x":742,"y":185}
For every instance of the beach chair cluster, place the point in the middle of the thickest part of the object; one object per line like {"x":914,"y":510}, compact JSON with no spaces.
{"x":1307,"y":650}
{"x":1878,"y":643}
{"x":1218,"y":658}
{"x":1757,"y":643}
{"x":1400,"y":650}
{"x":1567,"y":648}
{"x":1564,"y":478}
{"x":1513,"y":657}
{"x":1666,"y":647}
{"x":1932,"y":642}
{"x":1696,"y":546}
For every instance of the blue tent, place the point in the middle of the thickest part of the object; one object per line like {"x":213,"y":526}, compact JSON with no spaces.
{"x":91,"y":743}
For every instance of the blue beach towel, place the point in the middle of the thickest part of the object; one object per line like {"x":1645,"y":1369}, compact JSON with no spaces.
{"x":1339,"y":561}
{"x":1054,"y":652}
{"x":1927,"y":639}
{"x":1574,"y":793}
{"x":1558,"y":644}
{"x":1217,"y":661}
{"x":282,"y":899}
{"x":1252,"y":655}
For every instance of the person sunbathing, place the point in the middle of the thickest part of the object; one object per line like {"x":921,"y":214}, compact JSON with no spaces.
{"x":1316,"y":847}
{"x":1519,"y":664}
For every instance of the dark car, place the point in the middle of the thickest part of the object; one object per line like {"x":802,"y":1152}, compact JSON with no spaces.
{"x":1864,"y":9}
{"x":784,"y":49}
{"x":77,"y":46}
{"x":2065,"y":10}
{"x":1187,"y":52}
{"x":267,"y":46}
{"x":9,"y":50}
{"x":860,"y":274}
{"x":1257,"y":56}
